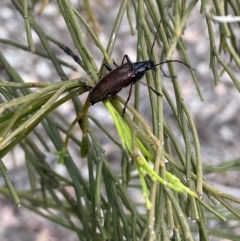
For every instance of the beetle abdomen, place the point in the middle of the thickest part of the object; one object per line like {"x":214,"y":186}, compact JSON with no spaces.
{"x":112,"y":83}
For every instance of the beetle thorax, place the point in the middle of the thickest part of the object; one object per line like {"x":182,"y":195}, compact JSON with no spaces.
{"x":141,"y":67}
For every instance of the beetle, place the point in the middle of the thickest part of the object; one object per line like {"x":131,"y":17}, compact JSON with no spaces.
{"x":126,"y":74}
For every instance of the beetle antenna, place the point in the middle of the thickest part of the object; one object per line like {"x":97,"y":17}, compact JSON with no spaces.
{"x":155,"y":38}
{"x":178,"y":61}
{"x":167,"y":61}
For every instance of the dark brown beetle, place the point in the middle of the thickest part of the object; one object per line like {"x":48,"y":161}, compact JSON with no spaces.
{"x":126,"y":74}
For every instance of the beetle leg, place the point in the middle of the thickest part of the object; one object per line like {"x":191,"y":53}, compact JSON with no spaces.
{"x":168,"y":76}
{"x":129,"y":95}
{"x":151,"y":88}
{"x":127,"y":58}
{"x":114,"y":63}
{"x":107,"y":67}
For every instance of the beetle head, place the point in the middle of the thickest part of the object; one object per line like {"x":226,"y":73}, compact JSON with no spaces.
{"x":150,"y":65}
